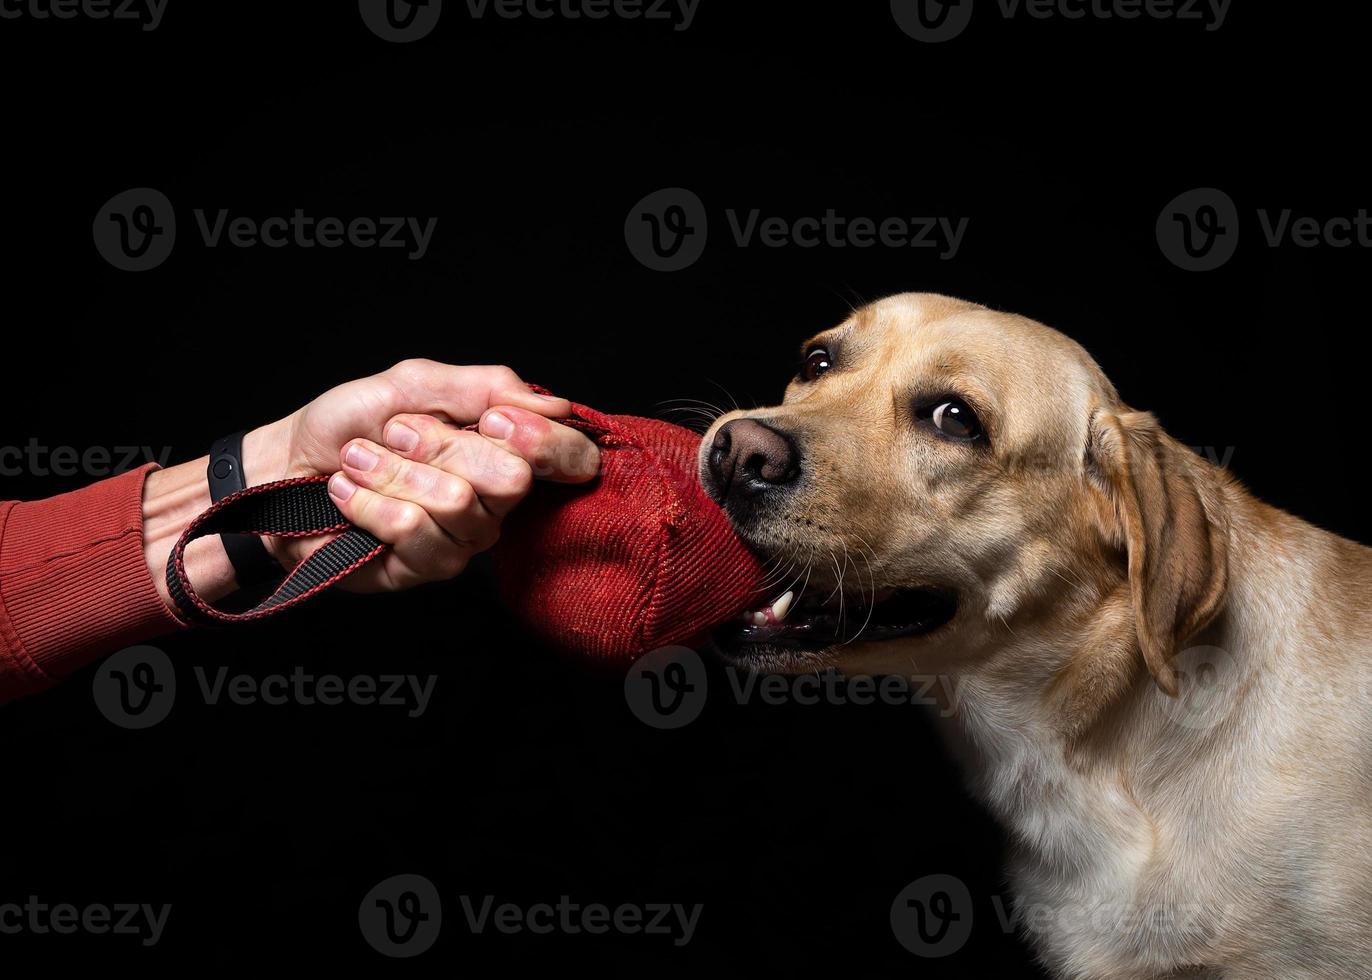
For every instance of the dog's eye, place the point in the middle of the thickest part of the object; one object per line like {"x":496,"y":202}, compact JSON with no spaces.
{"x":953,"y":418}
{"x":816,"y":363}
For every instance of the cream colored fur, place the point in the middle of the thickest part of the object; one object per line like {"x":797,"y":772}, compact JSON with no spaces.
{"x":1222,"y":830}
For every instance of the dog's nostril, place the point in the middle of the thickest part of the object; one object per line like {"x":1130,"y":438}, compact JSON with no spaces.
{"x":750,"y":457}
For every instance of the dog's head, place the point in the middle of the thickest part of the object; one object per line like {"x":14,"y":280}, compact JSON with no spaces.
{"x":942,"y":479}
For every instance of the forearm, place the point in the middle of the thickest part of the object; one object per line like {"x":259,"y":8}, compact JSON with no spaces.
{"x":74,"y":583}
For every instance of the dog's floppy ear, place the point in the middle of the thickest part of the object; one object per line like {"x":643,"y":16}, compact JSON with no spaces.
{"x":1171,"y":519}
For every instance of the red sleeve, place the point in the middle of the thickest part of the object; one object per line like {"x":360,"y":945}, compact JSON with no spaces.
{"x":74,"y":583}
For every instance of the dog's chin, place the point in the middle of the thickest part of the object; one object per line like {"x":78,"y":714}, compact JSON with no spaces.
{"x":813,"y":633}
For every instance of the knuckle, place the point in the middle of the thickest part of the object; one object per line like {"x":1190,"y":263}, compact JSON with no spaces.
{"x":458,"y":494}
{"x":502,"y":376}
{"x":411,"y":364}
{"x":411,"y":369}
{"x":406,"y":518}
{"x":518,"y":478}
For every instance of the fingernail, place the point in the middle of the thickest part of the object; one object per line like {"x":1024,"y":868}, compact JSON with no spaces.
{"x":547,"y":398}
{"x":401,"y":438}
{"x":359,"y":458}
{"x":496,"y":426}
{"x":340,"y":487}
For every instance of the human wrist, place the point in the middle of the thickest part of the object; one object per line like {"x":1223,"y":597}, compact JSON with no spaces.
{"x":172,"y":498}
{"x":175,"y":496}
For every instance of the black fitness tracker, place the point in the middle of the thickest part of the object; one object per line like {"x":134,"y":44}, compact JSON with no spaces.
{"x":252,"y":563}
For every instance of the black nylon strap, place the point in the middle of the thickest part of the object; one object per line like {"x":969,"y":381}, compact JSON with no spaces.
{"x":252,"y":563}
{"x":295,"y":508}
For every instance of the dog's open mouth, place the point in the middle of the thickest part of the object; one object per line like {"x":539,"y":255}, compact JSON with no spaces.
{"x":815,"y":622}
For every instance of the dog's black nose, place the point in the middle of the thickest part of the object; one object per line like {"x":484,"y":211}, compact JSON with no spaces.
{"x":749,"y":458}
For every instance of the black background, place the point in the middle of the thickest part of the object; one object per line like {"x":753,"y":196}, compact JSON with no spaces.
{"x":1060,"y":140}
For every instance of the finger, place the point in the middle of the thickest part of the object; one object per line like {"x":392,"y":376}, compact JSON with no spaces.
{"x":463,"y":392}
{"x":500,"y":478}
{"x":420,"y":550}
{"x":554,"y":452}
{"x":447,"y":497}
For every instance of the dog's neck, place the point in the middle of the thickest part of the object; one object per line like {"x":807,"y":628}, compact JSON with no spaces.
{"x":1080,"y":757}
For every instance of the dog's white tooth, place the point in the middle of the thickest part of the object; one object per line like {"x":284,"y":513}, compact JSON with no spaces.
{"x":760,"y":618}
{"x":782,"y":606}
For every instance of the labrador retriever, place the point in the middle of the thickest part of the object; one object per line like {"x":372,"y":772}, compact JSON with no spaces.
{"x":1162,"y":682}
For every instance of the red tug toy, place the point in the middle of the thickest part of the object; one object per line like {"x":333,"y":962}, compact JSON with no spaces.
{"x":637,"y":559}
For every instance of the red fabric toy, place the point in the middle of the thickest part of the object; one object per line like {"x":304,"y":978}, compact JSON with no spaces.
{"x":638,"y":559}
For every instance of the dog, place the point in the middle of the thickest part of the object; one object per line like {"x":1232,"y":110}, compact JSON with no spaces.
{"x":1162,"y":682}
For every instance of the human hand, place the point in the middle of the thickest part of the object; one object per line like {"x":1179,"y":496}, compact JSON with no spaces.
{"x":401,"y":467}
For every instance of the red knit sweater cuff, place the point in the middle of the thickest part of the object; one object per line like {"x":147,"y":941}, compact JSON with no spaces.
{"x":74,"y":583}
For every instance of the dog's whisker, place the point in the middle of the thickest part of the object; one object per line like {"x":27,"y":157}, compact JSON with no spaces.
{"x":777,"y":574}
{"x":838,"y":589}
{"x":727,"y":394}
{"x":871,"y":574}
